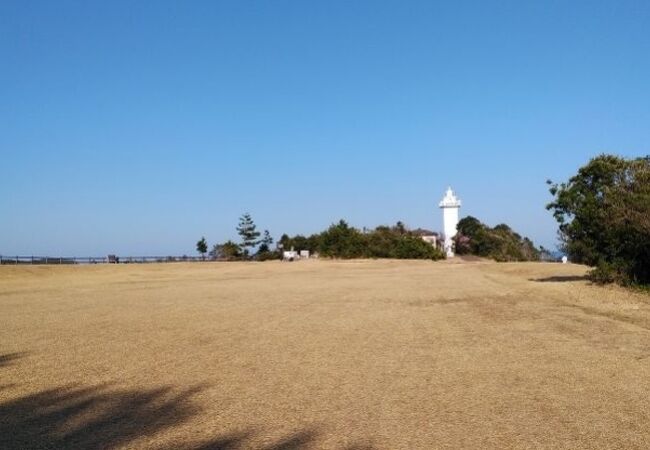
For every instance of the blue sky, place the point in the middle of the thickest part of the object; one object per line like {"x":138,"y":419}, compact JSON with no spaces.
{"x":137,"y":127}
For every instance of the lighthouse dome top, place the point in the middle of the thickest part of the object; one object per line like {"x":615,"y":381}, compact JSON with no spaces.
{"x":450,"y":200}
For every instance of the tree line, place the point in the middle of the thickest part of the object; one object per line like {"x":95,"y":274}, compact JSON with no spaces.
{"x":253,"y":244}
{"x":603,"y":214}
{"x":340,"y":240}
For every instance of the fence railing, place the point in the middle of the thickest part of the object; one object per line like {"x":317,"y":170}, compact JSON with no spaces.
{"x":4,"y":259}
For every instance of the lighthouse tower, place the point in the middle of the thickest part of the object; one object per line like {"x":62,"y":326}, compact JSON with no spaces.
{"x":450,"y":205}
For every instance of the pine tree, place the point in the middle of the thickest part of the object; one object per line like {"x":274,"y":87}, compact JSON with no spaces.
{"x":202,"y":247}
{"x":265,"y":243}
{"x":248,"y":232}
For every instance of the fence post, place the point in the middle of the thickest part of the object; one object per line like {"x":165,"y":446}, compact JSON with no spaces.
{"x":32,"y":259}
{"x":46,"y":260}
{"x":16,"y":260}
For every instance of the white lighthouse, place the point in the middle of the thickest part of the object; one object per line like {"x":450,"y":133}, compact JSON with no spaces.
{"x":450,"y":205}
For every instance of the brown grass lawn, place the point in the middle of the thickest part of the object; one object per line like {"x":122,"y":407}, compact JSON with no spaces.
{"x":317,"y":354}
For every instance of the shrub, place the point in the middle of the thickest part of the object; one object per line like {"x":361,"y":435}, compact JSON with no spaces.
{"x":500,"y":243}
{"x":342,"y":241}
{"x":228,"y":251}
{"x":413,"y":247}
{"x":268,"y":255}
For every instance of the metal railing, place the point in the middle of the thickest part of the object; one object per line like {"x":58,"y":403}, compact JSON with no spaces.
{"x":4,"y":259}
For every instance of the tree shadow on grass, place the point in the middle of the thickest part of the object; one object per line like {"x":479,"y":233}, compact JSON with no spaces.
{"x":101,"y":417}
{"x":560,"y":279}
{"x":91,"y":417}
{"x":78,"y":417}
{"x":9,"y":358}
{"x":226,"y":442}
{"x":6,"y":360}
{"x":296,"y":441}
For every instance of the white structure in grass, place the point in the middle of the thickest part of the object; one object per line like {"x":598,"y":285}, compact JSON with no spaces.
{"x":290,"y":255}
{"x":450,"y":205}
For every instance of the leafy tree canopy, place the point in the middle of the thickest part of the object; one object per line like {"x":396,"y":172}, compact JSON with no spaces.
{"x":500,"y":243}
{"x":264,"y":252}
{"x":604,"y":217}
{"x":202,"y":246}
{"x":229,"y":251}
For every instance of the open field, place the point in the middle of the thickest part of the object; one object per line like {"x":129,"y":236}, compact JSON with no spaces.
{"x":318,"y":354}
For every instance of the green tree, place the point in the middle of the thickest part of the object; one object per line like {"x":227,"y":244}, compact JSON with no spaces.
{"x":342,"y":241}
{"x":202,"y":247}
{"x":382,"y":241}
{"x":603,"y":213}
{"x":500,"y":243}
{"x":264,"y":252}
{"x":248,"y":233}
{"x":229,"y":251}
{"x":265,"y":243}
{"x":399,"y":227}
{"x":469,"y":226}
{"x":414,"y":247}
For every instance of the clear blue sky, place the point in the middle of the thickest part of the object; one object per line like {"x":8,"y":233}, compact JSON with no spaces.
{"x":138,"y":127}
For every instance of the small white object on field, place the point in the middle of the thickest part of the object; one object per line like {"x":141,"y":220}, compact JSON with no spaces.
{"x":290,"y":255}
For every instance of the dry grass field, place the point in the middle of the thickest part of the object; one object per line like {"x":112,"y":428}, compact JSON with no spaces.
{"x":318,"y":354}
